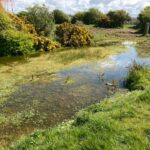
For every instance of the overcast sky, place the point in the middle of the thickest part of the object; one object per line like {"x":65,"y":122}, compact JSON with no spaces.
{"x":72,"y":6}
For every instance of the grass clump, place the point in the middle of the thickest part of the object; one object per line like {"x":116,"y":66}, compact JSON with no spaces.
{"x":139,"y":77}
{"x":121,"y":122}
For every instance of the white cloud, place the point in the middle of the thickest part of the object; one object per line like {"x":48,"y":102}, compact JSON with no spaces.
{"x":72,"y":6}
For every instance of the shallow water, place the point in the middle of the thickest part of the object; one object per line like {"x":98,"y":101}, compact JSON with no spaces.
{"x":43,"y":104}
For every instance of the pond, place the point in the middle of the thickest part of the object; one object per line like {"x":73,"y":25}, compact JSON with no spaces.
{"x":40,"y":105}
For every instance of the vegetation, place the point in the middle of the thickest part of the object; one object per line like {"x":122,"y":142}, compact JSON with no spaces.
{"x":73,"y":36}
{"x":42,"y":19}
{"x":103,"y":21}
{"x":139,"y":78}
{"x":15,"y":43}
{"x":21,"y":24}
{"x":45,"y":44}
{"x":120,"y":122}
{"x":5,"y":21}
{"x":144,"y":17}
{"x":118,"y":18}
{"x":77,"y":17}
{"x":91,"y":16}
{"x":60,"y":17}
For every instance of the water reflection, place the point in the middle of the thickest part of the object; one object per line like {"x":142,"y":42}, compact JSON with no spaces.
{"x":76,"y":88}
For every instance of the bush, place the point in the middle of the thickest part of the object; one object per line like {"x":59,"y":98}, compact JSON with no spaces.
{"x":60,"y":17}
{"x":91,"y":16}
{"x":73,"y":36}
{"x":103,"y":22}
{"x":22,"y":25}
{"x":78,"y":17}
{"x":5,"y":21}
{"x":144,"y":17}
{"x":43,"y":21}
{"x":15,"y":43}
{"x":138,"y":78}
{"x":118,"y":18}
{"x":45,"y":44}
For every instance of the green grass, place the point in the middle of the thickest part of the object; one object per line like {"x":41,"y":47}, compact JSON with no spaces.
{"x":118,"y":123}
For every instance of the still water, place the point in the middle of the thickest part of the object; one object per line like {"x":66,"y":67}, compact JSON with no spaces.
{"x":43,"y":104}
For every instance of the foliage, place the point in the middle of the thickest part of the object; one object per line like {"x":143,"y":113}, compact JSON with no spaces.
{"x":41,"y":18}
{"x":60,"y":16}
{"x":22,"y":14}
{"x":144,"y":17}
{"x":118,"y":18}
{"x":15,"y":43}
{"x":91,"y":16}
{"x":73,"y":36}
{"x":45,"y":44}
{"x":139,"y":77}
{"x":103,"y":21}
{"x":5,"y":21}
{"x":22,"y":25}
{"x":77,"y":17}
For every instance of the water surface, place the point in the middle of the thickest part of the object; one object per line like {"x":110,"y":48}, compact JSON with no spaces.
{"x":39,"y":105}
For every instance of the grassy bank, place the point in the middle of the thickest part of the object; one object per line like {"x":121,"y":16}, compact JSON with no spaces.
{"x":118,"y":123}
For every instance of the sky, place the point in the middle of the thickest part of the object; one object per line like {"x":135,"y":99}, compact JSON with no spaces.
{"x":72,"y":6}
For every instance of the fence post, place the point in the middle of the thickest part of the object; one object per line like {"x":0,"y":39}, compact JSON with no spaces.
{"x":147,"y":27}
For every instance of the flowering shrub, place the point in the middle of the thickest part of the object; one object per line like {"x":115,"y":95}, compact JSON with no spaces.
{"x":44,"y":44}
{"x":71,"y":35}
{"x":22,"y":25}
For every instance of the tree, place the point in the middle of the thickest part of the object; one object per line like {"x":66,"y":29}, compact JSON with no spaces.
{"x":118,"y":18}
{"x":60,"y":16}
{"x":79,"y":16}
{"x":42,"y":19}
{"x":144,"y":17}
{"x":103,"y":21}
{"x":91,"y":16}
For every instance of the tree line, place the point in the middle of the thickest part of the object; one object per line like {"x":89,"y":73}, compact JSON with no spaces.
{"x":38,"y":29}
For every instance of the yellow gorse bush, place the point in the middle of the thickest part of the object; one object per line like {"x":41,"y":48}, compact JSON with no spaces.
{"x":45,"y":44}
{"x":40,"y":43}
{"x":22,"y":25}
{"x":71,"y":35}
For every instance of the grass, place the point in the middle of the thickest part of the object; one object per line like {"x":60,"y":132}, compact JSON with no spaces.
{"x":109,"y":37}
{"x":118,"y":123}
{"x":15,"y":71}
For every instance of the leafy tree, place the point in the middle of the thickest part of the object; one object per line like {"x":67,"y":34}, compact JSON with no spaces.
{"x":22,"y":14}
{"x":103,"y":21}
{"x":60,"y":16}
{"x":91,"y":16}
{"x":144,"y":17}
{"x":42,"y":19}
{"x":79,"y":16}
{"x":118,"y":18}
